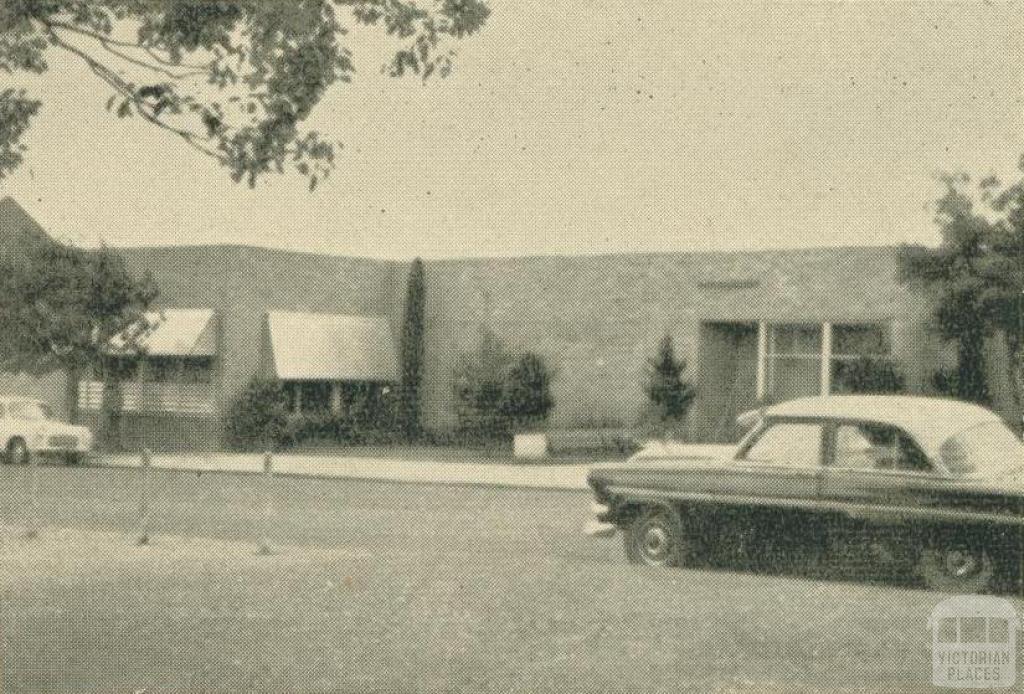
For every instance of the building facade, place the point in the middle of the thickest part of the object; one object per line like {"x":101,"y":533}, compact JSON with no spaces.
{"x":752,"y":326}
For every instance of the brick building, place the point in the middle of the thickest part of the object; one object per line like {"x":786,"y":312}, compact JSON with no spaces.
{"x":772,"y":324}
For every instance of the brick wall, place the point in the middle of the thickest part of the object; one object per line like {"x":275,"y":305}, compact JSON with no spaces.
{"x":596,"y":319}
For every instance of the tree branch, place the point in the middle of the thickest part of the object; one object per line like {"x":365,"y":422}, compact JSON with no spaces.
{"x":124,"y":89}
{"x":108,"y":44}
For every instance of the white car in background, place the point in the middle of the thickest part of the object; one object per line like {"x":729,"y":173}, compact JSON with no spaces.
{"x":27,"y":428}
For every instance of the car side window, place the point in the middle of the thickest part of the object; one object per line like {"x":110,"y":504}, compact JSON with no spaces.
{"x":791,"y":444}
{"x":864,"y":446}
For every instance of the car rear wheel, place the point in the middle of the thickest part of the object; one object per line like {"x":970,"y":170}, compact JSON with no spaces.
{"x":958,"y":567}
{"x":655,"y":538}
{"x":17,"y":452}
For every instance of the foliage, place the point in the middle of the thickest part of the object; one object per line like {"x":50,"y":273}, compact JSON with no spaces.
{"x":16,"y":109}
{"x":669,"y":393}
{"x":234,"y":79}
{"x":333,"y":429}
{"x":526,"y":398}
{"x":868,"y":375}
{"x":59,"y":309}
{"x":60,"y":306}
{"x":496,"y":393}
{"x":258,"y":418}
{"x":977,"y":277}
{"x":261,"y":418}
{"x":408,"y":416}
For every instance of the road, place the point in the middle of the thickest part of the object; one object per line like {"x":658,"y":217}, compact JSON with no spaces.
{"x":385,"y":587}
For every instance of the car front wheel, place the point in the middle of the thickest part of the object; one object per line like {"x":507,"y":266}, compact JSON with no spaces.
{"x":655,"y":538}
{"x":956,"y":568}
{"x":17,"y":452}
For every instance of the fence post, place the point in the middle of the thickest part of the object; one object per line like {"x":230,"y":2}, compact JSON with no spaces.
{"x":266,"y":492}
{"x":33,"y":496}
{"x":144,"y":510}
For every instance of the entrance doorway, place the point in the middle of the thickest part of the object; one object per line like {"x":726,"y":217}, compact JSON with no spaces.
{"x":727,"y":382}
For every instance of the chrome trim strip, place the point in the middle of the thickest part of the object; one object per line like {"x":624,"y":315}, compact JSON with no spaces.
{"x":852,"y":509}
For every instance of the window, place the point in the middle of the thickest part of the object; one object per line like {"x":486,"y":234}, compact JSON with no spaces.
{"x":29,"y":410}
{"x":793,"y":444}
{"x":877,"y":447}
{"x":161,"y":369}
{"x":988,"y":449}
{"x":309,"y":396}
{"x":794,"y":361}
{"x":796,"y":353}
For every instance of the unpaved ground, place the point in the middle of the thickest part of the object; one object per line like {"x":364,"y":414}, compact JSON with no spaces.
{"x":400,"y":588}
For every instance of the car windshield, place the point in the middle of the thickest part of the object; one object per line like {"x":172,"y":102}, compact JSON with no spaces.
{"x":28,"y":410}
{"x":987,"y":450}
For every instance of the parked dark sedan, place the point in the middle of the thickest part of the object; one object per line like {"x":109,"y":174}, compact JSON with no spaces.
{"x":932,"y":485}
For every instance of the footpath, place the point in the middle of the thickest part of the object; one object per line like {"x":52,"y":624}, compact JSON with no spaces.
{"x":540,"y":476}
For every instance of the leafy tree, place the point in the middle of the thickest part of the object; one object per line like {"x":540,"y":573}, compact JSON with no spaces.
{"x":60,"y":307}
{"x":669,"y":393}
{"x":234,"y":79}
{"x":977,"y":277}
{"x":526,"y":398}
{"x":412,"y":352}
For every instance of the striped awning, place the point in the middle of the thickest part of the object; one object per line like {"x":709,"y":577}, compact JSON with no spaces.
{"x":177,"y":332}
{"x":331,"y":347}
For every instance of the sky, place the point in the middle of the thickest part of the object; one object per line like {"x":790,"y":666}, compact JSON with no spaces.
{"x":598,"y":127}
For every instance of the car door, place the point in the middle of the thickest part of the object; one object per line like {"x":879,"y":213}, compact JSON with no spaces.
{"x":782,"y":464}
{"x":876,"y":472}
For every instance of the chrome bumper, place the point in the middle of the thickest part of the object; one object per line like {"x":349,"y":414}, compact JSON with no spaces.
{"x":599,"y":527}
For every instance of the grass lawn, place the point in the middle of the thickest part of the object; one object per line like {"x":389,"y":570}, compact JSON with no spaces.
{"x":378,"y":587}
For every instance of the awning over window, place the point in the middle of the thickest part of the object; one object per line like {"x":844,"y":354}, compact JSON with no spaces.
{"x":179,"y":332}
{"x":330,"y":347}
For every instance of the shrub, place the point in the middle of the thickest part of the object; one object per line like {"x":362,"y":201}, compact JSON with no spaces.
{"x":868,"y":376}
{"x":669,"y":394}
{"x":526,"y":398}
{"x":258,"y":419}
{"x":496,"y":393}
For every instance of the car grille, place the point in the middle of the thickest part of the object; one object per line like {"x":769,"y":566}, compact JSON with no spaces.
{"x":63,"y":442}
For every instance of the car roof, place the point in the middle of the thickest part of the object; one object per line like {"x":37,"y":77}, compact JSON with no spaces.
{"x":931,"y":421}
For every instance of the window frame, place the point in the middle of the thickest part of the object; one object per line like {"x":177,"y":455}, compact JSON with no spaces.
{"x":752,"y":439}
{"x":830,"y":458}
